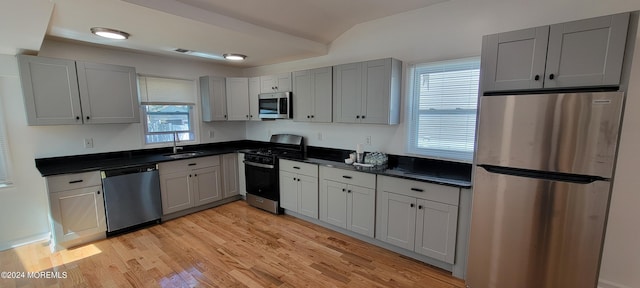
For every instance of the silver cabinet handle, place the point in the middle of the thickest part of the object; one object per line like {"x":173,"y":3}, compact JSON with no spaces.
{"x":259,"y":165}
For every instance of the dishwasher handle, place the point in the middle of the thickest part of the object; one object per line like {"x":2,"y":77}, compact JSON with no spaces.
{"x":129,"y":170}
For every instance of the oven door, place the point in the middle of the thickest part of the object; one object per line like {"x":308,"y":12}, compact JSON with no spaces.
{"x":262,"y":180}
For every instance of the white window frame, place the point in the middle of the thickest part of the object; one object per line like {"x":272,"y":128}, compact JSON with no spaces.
{"x":192,"y":121}
{"x":415,"y":113}
{"x":184,"y":92}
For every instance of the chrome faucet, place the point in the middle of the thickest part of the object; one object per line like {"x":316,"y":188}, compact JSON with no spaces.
{"x":175,"y":139}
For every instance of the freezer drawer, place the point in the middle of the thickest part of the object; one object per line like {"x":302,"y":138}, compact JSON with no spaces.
{"x":533,"y":233}
{"x":573,"y":133}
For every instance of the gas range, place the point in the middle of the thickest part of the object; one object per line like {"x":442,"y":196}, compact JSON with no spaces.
{"x":261,"y":170}
{"x":270,"y":155}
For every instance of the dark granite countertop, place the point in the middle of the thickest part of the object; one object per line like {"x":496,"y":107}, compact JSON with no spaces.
{"x":113,"y":160}
{"x":412,"y":168}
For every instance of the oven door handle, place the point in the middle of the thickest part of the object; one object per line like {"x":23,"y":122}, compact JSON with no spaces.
{"x":259,"y":165}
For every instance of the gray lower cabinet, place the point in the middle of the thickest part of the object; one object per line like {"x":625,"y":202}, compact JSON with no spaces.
{"x":418,"y":216}
{"x":77,"y":208}
{"x":367,"y":92}
{"x":299,"y":187}
{"x":60,"y":91}
{"x":189,"y":183}
{"x":347,"y":199}
{"x":230,"y":181}
{"x":581,"y":53}
{"x":313,"y":95}
{"x":242,"y":181}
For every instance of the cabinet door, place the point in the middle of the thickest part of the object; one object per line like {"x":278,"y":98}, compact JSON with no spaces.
{"x":242,"y":182}
{"x":206,"y":186}
{"x":175,"y":189}
{"x":375,"y":99}
{"x":322,"y":91}
{"x":254,"y":91}
{"x":396,"y":218}
{"x":308,"y":196}
{"x":303,"y":94}
{"x":50,"y":88}
{"x":237,"y":98}
{"x":283,"y":82}
{"x":347,"y":93}
{"x":586,"y":52}
{"x":333,"y":203}
{"x":230,"y":175}
{"x":268,"y":83}
{"x":514,"y":60}
{"x":78,"y":213}
{"x":436,"y":230}
{"x":361,"y":208}
{"x":288,"y":191}
{"x":108,"y":93}
{"x":213,"y":93}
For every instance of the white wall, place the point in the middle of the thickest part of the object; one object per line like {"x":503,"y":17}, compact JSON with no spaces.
{"x":24,"y":206}
{"x":454,"y":29}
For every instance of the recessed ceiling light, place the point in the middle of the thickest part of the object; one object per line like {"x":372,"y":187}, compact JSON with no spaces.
{"x":234,"y":57}
{"x":110,"y":33}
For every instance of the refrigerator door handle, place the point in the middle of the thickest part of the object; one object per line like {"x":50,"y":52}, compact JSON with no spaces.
{"x":564,"y":177}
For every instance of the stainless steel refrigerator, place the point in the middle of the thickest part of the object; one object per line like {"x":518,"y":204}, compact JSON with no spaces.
{"x":541,"y":189}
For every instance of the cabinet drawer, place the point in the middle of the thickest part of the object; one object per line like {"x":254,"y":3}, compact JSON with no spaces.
{"x":186,"y":164}
{"x":299,"y":167}
{"x":421,"y":190}
{"x":349,"y":177}
{"x":73,"y":181}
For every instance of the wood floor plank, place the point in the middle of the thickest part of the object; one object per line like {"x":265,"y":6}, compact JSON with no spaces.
{"x":234,"y":245}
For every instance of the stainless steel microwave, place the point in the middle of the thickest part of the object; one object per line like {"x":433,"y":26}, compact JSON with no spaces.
{"x":275,"y":105}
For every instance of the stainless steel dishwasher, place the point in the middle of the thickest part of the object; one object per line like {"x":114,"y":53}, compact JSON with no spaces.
{"x":131,"y":197}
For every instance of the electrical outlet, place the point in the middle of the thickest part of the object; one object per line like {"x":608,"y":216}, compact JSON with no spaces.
{"x":367,"y":140}
{"x":211,"y":134}
{"x":319,"y":136}
{"x":88,"y":142}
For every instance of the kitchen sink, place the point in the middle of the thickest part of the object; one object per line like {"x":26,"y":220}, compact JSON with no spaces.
{"x":185,"y":154}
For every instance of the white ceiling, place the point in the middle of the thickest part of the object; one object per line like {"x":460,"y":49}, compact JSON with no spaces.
{"x":267,"y":31}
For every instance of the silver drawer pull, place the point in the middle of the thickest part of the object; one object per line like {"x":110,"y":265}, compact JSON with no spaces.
{"x":75,"y":181}
{"x":417,"y":189}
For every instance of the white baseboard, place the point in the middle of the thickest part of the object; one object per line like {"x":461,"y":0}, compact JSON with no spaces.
{"x":610,"y":284}
{"x":24,"y":241}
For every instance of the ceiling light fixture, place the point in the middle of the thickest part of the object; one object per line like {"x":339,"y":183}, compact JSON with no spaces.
{"x":110,"y":33}
{"x":234,"y":57}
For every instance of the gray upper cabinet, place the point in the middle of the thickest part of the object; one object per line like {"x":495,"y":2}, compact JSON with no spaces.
{"x":575,"y":54}
{"x":254,"y":92}
{"x":59,"y":91}
{"x":514,"y":60}
{"x":108,"y":93}
{"x":367,"y":92}
{"x":275,"y":83}
{"x":213,"y":93}
{"x":237,"y":98}
{"x":312,"y":90}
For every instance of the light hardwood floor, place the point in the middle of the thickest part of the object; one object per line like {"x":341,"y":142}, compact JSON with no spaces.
{"x":228,"y":246}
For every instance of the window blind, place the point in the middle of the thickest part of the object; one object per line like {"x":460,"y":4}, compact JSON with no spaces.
{"x":166,"y":90}
{"x":444,"y":107}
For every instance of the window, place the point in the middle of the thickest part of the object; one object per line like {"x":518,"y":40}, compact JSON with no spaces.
{"x":167,"y":109}
{"x":444,"y":106}
{"x":162,"y":120}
